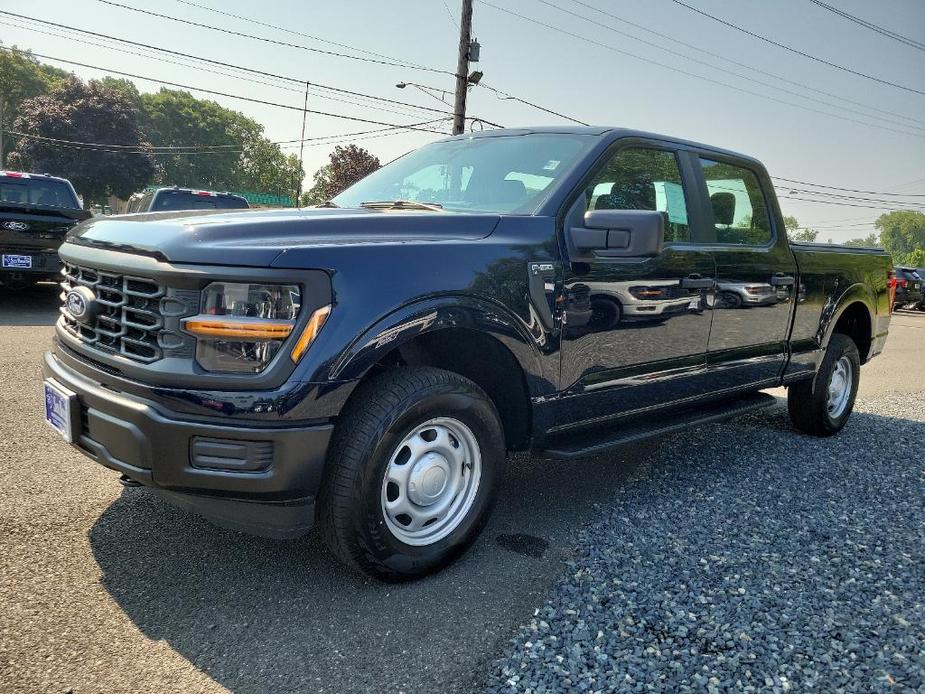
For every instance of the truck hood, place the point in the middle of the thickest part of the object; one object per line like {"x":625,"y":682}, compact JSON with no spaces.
{"x":256,"y":238}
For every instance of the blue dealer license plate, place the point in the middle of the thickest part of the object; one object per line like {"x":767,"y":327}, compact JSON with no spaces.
{"x":58,"y":407}
{"x":23,"y":262}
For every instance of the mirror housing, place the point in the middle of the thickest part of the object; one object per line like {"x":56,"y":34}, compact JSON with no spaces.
{"x":617,"y":234}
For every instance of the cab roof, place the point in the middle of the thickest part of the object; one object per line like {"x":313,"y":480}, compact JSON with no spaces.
{"x":607,"y":133}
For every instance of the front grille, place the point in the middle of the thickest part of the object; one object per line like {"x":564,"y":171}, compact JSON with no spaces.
{"x":135,"y":317}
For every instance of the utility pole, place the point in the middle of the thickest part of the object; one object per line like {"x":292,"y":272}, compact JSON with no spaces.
{"x":462,"y":68}
{"x":1,"y":132}
{"x":298,"y":188}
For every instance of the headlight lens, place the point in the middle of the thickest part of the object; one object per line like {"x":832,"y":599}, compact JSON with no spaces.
{"x":241,"y":326}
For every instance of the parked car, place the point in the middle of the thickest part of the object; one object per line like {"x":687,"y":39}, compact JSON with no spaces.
{"x":909,"y":287}
{"x":366,"y":365}
{"x":36,"y":211}
{"x":175,"y":198}
{"x":733,"y":294}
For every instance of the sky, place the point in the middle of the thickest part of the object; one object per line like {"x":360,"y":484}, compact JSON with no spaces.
{"x":579,"y":68}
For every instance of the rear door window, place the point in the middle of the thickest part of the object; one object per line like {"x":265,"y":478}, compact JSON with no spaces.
{"x":740,"y":210}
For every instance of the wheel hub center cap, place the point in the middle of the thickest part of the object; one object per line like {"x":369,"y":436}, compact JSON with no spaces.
{"x":428,"y":479}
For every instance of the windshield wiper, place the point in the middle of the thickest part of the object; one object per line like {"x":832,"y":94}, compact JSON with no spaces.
{"x":402,"y":205}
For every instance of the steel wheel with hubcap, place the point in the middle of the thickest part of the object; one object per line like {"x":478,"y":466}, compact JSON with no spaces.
{"x":840,"y":387}
{"x":431,"y":481}
{"x":821,"y":406}
{"x":412,"y":473}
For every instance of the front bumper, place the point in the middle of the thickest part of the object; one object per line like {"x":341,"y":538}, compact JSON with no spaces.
{"x":271,"y":493}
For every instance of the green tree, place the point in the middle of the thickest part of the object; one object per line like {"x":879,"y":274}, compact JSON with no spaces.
{"x":80,"y":112}
{"x":172,"y":118}
{"x":234,"y":154}
{"x":794,"y":233}
{"x":902,"y":233}
{"x":321,"y":182}
{"x":348,"y":165}
{"x":22,"y":77}
{"x":868,"y":241}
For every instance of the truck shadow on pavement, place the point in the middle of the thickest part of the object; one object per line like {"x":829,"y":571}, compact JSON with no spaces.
{"x":259,"y":615}
{"x":33,"y":306}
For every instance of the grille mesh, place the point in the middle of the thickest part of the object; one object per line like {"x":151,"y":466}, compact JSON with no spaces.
{"x":137,"y":317}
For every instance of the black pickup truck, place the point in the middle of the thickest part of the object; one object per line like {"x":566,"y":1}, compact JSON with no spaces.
{"x":366,"y":365}
{"x":36,"y":212}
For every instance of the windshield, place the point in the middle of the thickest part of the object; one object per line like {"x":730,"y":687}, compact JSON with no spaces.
{"x":37,"y":191}
{"x":185,"y":200}
{"x":505,"y":174}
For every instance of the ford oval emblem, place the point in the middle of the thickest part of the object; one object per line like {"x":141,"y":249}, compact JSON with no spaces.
{"x":16,"y":226}
{"x":76,"y":304}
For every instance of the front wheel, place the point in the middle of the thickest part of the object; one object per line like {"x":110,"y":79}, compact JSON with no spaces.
{"x":821,"y":407}
{"x":413,"y":470}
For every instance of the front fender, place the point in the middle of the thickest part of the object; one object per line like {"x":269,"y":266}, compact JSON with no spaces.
{"x":438,"y":313}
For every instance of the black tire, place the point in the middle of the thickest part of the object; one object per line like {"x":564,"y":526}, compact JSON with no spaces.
{"x":730,"y":300}
{"x":807,"y":401}
{"x":382,"y":412}
{"x":605,"y":314}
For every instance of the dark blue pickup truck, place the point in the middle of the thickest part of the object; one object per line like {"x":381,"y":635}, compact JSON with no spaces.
{"x":367,"y":365}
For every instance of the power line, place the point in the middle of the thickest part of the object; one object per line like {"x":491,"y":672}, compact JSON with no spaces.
{"x":275,"y":41}
{"x":848,"y":190}
{"x":912,"y":43}
{"x":169,"y":149}
{"x":212,"y":149}
{"x":250,"y":20}
{"x":674,"y":69}
{"x":797,"y":51}
{"x":844,"y":204}
{"x":837,"y":196}
{"x":675,"y":40}
{"x":217,"y":93}
{"x":505,"y":95}
{"x":220,"y":63}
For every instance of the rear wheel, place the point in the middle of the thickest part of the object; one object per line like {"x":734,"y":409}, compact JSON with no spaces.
{"x":412,"y":475}
{"x":821,"y":407}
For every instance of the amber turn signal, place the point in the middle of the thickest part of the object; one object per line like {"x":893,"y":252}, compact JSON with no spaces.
{"x":252,"y":329}
{"x":312,"y":328}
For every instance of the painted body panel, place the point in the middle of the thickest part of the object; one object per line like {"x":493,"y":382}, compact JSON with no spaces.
{"x":396,"y":275}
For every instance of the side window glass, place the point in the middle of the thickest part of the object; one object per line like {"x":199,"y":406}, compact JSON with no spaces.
{"x":740,"y":212}
{"x":643,"y":179}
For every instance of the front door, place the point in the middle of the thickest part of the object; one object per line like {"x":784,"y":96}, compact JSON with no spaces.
{"x":755,"y":273}
{"x":646,"y":340}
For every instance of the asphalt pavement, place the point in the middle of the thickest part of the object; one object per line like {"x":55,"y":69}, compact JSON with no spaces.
{"x":107,"y":589}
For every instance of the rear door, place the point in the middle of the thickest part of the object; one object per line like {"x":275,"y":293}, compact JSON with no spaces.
{"x":755,"y":274}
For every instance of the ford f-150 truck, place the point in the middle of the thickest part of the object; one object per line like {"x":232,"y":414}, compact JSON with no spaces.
{"x":36,"y":211}
{"x":366,"y":365}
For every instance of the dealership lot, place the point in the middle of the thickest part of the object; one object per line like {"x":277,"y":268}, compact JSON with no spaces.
{"x":108,"y":589}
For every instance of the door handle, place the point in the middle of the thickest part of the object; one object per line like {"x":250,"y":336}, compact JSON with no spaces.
{"x":697,"y":282}
{"x":782,"y":280}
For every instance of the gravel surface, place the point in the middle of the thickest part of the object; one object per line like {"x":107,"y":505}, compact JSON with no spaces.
{"x":748,"y":557}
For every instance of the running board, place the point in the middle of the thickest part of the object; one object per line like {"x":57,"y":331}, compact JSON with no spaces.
{"x":596,"y":441}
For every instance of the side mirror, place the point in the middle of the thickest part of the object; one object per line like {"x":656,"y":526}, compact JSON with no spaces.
{"x":617,"y":234}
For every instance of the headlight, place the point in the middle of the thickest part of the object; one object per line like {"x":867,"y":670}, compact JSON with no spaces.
{"x":241,"y":327}
{"x":649,"y":293}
